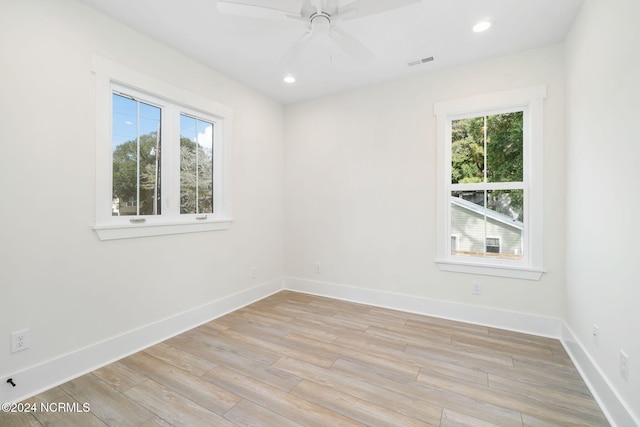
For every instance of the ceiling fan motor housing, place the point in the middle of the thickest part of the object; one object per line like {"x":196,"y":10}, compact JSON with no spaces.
{"x":320,"y":22}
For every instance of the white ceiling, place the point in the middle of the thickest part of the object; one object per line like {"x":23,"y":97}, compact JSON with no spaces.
{"x":247,"y":49}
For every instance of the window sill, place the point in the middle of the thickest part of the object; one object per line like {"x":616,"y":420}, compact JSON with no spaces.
{"x":515,"y":272}
{"x":130,"y":231}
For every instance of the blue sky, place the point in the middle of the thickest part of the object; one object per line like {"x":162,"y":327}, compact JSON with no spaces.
{"x":126,"y":119}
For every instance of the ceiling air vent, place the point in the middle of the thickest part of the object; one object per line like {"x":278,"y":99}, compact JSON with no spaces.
{"x":420,"y":61}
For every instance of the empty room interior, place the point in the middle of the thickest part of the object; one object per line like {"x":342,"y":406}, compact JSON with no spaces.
{"x":319,"y":212}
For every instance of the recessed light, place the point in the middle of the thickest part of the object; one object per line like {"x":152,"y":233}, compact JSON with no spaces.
{"x":481,"y":26}
{"x":289,"y":79}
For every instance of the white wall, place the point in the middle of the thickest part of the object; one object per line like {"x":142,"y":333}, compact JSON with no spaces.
{"x":359,"y":179}
{"x":360,"y":186}
{"x":56,"y":277}
{"x":603,"y":152}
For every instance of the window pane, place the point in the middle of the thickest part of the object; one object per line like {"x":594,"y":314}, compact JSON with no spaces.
{"x":508,"y":203}
{"x":504,"y":147}
{"x":467,"y":150}
{"x":505,"y":221}
{"x":196,"y":165}
{"x":136,"y":157}
{"x":468,"y":222}
{"x":499,"y":148}
{"x":488,"y":223}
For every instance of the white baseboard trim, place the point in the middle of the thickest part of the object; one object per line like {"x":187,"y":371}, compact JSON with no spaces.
{"x":502,"y":319}
{"x":614,"y":407}
{"x":51,"y":373}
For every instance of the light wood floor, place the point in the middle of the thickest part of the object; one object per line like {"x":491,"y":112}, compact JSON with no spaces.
{"x":300,"y":360}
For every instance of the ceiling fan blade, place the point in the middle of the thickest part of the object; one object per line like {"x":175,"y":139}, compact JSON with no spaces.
{"x":317,"y":4}
{"x":296,"y":49}
{"x":352,"y":46}
{"x":261,"y":8}
{"x":360,"y":8}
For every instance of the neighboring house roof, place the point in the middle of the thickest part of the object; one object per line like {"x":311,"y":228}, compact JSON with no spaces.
{"x":489,"y":212}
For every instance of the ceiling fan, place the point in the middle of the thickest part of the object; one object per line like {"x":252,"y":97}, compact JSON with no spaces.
{"x":321,"y":18}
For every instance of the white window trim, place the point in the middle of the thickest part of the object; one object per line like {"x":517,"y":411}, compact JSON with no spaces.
{"x":531,"y":99}
{"x":108,"y":227}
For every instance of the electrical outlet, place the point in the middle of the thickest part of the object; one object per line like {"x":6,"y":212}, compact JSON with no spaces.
{"x":596,"y":335}
{"x":20,"y":340}
{"x":253,"y":273}
{"x":476,"y":288}
{"x":624,"y":365}
{"x":317,"y":267}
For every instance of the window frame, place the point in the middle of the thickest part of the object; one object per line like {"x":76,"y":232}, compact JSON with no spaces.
{"x":174,"y":101}
{"x":529,"y":100}
{"x":117,"y":89}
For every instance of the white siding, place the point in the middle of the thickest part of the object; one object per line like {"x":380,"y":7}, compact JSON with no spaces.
{"x":470,"y":228}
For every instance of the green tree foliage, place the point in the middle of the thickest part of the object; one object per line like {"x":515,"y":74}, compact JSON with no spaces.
{"x":504,"y":147}
{"x":506,"y":202}
{"x":503,"y":154}
{"x":125,"y":174}
{"x":467,"y":151}
{"x":196,"y":178}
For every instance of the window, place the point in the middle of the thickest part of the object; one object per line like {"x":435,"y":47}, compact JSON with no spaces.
{"x":135,"y":138}
{"x":161,"y":157}
{"x":492,"y":245}
{"x":196,"y":165}
{"x":490,"y":184}
{"x":487,"y":181}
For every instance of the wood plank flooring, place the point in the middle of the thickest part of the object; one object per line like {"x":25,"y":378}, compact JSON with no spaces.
{"x":300,"y":360}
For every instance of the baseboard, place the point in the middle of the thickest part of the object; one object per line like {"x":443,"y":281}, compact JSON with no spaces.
{"x":502,"y":319}
{"x":44,"y":376}
{"x":613,"y":406}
